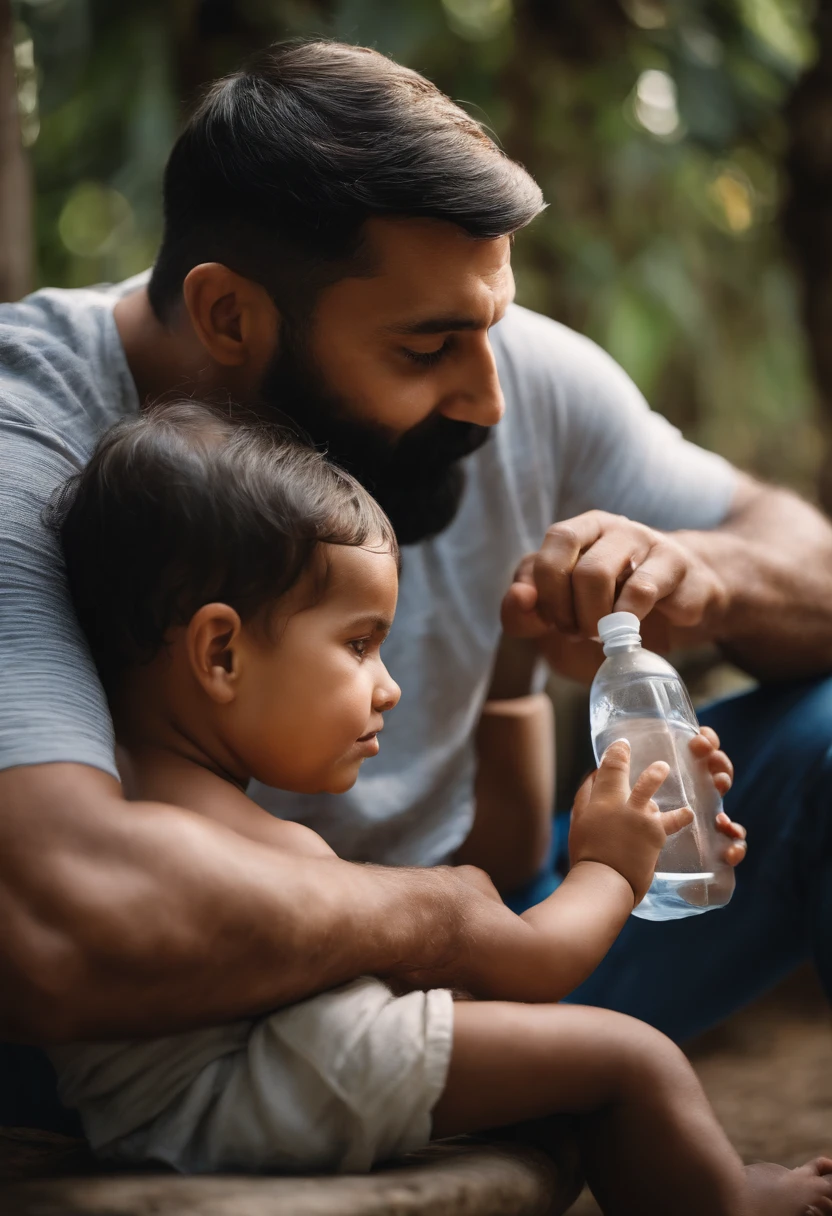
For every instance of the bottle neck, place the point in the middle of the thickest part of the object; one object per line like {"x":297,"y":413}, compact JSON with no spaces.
{"x":631,"y":641}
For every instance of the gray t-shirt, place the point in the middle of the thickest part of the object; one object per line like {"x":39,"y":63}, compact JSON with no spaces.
{"x":577,"y":434}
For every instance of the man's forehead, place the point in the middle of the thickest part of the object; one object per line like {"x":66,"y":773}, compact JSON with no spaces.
{"x":431,"y":277}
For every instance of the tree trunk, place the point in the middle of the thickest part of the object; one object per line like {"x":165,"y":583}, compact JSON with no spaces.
{"x":15,"y":178}
{"x":807,"y":216}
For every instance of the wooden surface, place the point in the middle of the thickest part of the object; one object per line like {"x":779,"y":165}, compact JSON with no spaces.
{"x":460,"y":1179}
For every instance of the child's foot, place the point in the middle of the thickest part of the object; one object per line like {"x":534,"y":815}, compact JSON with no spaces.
{"x":775,"y":1191}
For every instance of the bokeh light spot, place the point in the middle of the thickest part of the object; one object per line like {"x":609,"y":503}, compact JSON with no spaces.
{"x":94,"y":218}
{"x":734,"y":195}
{"x":655,"y":103}
{"x":478,"y":20}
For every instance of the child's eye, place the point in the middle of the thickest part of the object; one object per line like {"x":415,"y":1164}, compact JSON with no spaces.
{"x":430,"y":357}
{"x":359,"y":645}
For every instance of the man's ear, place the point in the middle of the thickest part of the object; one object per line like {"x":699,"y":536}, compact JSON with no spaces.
{"x":212,"y":645}
{"x":234,"y":318}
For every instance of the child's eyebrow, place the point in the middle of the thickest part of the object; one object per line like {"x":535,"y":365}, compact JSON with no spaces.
{"x":371,"y":624}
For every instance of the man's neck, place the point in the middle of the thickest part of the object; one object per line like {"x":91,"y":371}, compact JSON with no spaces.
{"x":165,"y":361}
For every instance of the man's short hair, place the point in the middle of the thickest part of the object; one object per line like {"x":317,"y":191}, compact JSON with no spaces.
{"x":284,"y":161}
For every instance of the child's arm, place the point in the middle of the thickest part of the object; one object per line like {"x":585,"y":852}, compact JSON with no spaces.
{"x":615,"y":841}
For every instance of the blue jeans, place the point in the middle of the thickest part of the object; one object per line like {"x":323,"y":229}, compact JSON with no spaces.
{"x":682,"y":976}
{"x":685,"y":976}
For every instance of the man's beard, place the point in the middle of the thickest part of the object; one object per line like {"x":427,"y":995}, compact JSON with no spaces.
{"x":417,"y":477}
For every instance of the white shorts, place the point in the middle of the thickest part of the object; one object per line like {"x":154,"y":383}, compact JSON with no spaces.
{"x":337,"y":1082}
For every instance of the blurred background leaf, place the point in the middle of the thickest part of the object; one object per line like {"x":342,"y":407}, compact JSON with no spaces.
{"x":660,"y":130}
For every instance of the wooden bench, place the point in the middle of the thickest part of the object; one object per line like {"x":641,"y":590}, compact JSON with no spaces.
{"x":45,"y":1175}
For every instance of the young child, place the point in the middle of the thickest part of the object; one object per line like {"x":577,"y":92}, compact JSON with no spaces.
{"x":236,"y":588}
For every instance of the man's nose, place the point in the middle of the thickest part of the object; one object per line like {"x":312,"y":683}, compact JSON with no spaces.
{"x":477,"y":397}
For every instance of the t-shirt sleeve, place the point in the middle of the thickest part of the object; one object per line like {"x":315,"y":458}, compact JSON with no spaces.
{"x":52,"y":706}
{"x":616,"y":454}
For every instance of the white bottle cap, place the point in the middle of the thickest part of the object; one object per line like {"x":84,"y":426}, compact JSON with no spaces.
{"x":619,"y":627}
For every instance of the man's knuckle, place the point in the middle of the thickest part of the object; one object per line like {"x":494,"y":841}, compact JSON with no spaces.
{"x":687,"y":614}
{"x":562,"y":534}
{"x":643,"y":584}
{"x":593,"y":574}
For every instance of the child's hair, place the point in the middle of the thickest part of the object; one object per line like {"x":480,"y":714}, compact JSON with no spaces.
{"x":183,"y":506}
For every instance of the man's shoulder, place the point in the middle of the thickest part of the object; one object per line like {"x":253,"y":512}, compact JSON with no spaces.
{"x":55,"y":316}
{"x":538,"y":352}
{"x":60,"y":350}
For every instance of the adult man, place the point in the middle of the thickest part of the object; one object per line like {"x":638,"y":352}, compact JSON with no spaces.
{"x":337,"y":248}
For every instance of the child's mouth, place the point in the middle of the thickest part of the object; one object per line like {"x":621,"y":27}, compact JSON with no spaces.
{"x":368,"y":744}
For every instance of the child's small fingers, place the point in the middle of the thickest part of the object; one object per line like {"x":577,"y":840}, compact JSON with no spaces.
{"x":727,"y":826}
{"x":584,"y":794}
{"x":722,"y":783}
{"x":736,"y":852}
{"x":613,"y":776}
{"x":710,"y":734}
{"x":719,"y":762}
{"x":701,"y":746}
{"x":647,"y":784}
{"x":674,"y":821}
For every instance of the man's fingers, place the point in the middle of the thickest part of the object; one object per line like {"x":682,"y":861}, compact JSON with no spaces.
{"x":554,"y":563}
{"x":658,"y":576}
{"x":674,"y":821}
{"x":647,"y":784}
{"x":600,"y":572}
{"x":518,"y":613}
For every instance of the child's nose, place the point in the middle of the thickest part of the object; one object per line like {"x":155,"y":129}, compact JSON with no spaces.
{"x":387,"y":694}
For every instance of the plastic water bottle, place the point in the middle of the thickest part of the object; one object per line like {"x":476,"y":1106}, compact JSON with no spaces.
{"x":638,"y":696}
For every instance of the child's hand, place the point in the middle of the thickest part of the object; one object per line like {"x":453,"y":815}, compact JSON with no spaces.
{"x":705,"y":747}
{"x":620,"y":829}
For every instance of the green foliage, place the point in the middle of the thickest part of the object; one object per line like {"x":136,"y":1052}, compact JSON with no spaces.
{"x":654,"y":126}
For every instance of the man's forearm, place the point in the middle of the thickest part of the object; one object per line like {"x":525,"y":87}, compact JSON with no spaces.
{"x":514,"y":790}
{"x":774,"y":555}
{"x":126,"y":919}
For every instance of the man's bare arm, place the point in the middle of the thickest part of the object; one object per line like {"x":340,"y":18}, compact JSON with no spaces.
{"x":774,"y":554}
{"x":514,"y":791}
{"x":760,"y":586}
{"x":124,"y":919}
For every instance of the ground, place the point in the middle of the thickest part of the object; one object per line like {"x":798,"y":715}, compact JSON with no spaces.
{"x":768,"y":1073}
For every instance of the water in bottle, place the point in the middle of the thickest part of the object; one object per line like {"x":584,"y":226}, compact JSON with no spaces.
{"x":638,"y":696}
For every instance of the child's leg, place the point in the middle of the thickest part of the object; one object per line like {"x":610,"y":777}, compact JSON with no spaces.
{"x":651,"y":1141}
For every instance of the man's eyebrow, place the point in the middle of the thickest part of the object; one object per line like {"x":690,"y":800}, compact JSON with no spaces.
{"x":435,"y":325}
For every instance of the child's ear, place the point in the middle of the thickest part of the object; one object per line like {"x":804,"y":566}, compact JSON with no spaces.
{"x":212,"y":640}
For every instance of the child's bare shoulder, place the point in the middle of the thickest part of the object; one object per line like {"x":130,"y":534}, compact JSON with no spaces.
{"x":160,"y":776}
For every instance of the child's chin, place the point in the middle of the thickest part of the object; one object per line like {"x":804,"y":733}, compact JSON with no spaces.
{"x":343,"y":781}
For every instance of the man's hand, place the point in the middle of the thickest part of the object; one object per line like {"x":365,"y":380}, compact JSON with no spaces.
{"x":759,"y":585}
{"x":598,"y":563}
{"x":623,"y":830}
